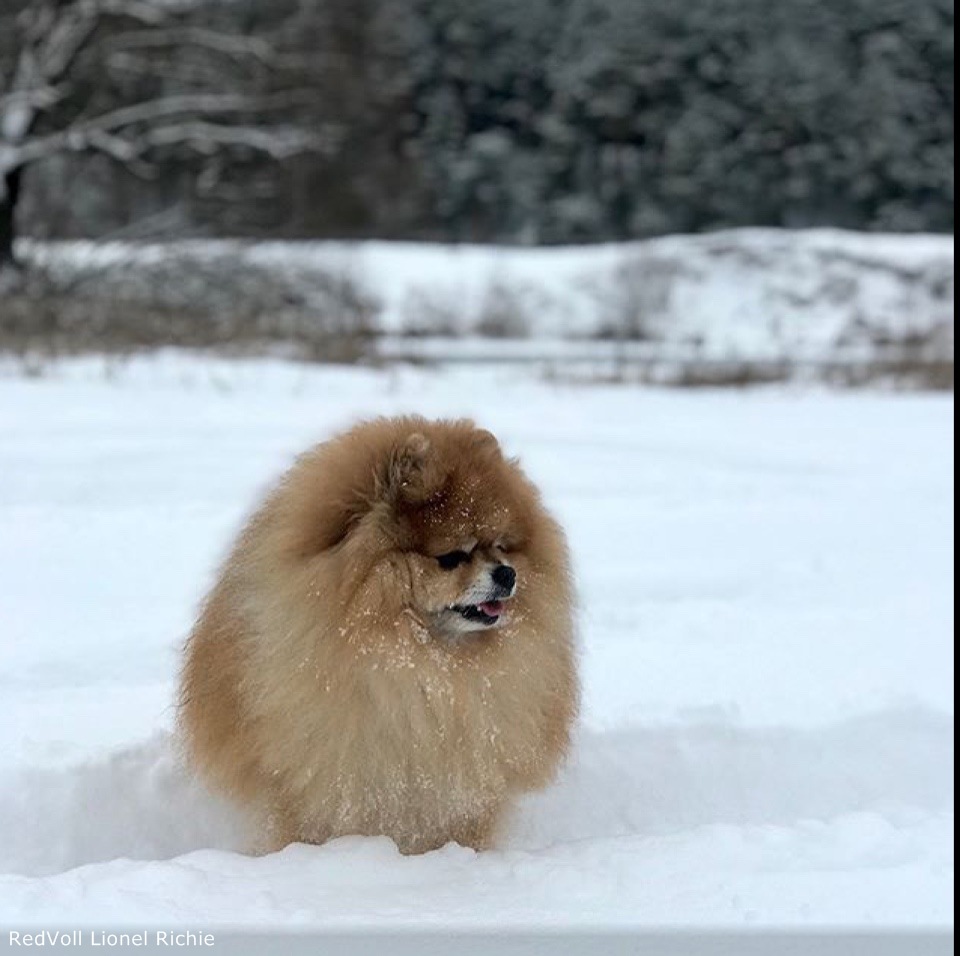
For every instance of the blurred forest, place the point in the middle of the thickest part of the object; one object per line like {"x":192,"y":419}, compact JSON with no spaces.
{"x":541,"y":121}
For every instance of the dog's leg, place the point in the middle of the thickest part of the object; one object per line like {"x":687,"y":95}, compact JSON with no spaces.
{"x":479,"y":833}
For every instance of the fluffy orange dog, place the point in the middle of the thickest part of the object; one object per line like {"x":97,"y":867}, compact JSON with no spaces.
{"x":389,"y":648}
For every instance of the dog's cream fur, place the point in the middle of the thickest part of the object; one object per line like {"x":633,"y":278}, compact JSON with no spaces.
{"x":321,"y":689}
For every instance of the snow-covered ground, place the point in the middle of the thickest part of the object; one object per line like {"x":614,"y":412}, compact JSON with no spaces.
{"x":747,"y":294}
{"x":767,"y":617}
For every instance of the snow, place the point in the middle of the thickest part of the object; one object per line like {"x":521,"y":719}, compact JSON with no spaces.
{"x":767,"y":617}
{"x":750,"y":294}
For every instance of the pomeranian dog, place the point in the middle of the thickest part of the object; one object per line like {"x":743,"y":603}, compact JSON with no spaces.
{"x":389,"y":649}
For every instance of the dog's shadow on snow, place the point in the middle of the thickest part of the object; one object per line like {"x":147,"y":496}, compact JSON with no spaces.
{"x":141,"y":804}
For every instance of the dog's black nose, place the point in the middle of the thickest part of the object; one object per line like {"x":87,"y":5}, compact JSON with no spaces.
{"x":504,"y":576}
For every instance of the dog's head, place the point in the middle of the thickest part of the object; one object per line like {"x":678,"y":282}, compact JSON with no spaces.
{"x":406,"y":516}
{"x":459,"y":514}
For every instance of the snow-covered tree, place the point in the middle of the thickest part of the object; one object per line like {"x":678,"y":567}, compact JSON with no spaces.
{"x":488,"y":120}
{"x":131,"y":79}
{"x":572,"y":120}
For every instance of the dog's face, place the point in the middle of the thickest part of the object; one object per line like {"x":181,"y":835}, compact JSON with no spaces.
{"x":465,"y":590}
{"x":460,"y":513}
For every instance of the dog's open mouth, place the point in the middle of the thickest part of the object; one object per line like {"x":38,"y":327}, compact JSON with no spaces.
{"x":488,"y":613}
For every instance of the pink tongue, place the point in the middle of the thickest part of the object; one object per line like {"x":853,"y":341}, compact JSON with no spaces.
{"x":492,"y":608}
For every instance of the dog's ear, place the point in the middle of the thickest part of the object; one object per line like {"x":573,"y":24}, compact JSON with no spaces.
{"x":485,"y":441}
{"x":415,"y":473}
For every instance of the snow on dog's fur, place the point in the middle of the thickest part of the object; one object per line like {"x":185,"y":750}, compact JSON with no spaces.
{"x":389,"y":648}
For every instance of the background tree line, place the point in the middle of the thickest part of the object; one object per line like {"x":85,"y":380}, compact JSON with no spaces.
{"x":542,"y":121}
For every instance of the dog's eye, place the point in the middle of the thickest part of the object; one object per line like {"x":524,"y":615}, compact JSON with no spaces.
{"x":453,"y":560}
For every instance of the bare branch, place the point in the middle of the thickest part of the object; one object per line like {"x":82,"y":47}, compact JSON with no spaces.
{"x":36,"y":21}
{"x":123,"y":152}
{"x":52,"y":37}
{"x":41,"y":98}
{"x":68,"y":35}
{"x":277,"y":142}
{"x":64,"y":41}
{"x":149,"y":14}
{"x":83,"y":135}
{"x":127,"y":135}
{"x":231,"y":45}
{"x":206,"y":103}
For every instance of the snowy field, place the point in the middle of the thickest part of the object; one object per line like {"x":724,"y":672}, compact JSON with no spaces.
{"x":767,"y":616}
{"x":749,"y":294}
